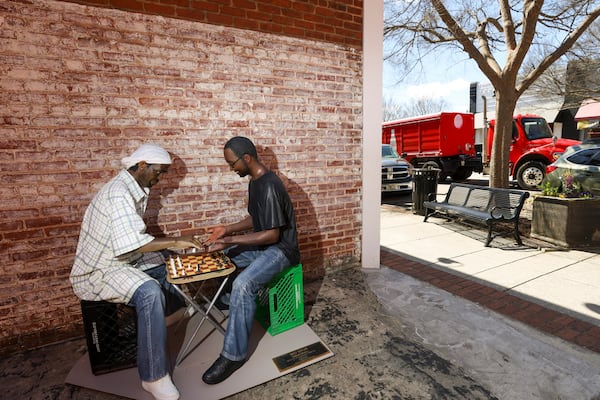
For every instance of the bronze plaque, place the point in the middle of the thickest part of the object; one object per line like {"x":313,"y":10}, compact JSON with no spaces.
{"x":300,"y":356}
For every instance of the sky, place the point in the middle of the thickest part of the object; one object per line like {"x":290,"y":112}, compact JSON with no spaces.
{"x":446,"y":77}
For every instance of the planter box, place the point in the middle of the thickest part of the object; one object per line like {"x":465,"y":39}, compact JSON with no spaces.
{"x":566,"y":222}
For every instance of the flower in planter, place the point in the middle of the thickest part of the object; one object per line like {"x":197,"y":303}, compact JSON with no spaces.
{"x":548,"y":189}
{"x":568,"y":188}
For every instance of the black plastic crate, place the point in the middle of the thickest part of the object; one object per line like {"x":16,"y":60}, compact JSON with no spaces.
{"x":111,"y":335}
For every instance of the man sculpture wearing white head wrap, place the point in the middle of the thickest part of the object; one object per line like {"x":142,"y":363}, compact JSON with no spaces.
{"x":119,"y":262}
{"x":150,"y":153}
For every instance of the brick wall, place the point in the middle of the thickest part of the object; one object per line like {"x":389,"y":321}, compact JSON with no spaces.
{"x":81,"y":87}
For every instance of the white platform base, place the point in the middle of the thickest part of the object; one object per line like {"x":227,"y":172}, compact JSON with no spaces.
{"x":187,"y":376}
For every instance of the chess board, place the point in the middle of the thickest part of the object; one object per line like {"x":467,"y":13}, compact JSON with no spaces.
{"x":181,"y":267}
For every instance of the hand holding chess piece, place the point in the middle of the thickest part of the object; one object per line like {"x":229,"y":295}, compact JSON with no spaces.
{"x":214,"y":242}
{"x":189,"y":242}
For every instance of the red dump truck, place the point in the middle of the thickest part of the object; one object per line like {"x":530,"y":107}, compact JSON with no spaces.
{"x":533,"y":147}
{"x":444,"y":140}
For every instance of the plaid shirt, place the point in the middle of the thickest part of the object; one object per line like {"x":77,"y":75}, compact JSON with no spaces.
{"x":112,"y":227}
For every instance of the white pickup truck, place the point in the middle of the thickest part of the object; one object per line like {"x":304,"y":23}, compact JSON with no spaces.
{"x":396,"y":172}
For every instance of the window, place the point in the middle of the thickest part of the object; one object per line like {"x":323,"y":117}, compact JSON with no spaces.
{"x":536,"y":128}
{"x":586,"y":157}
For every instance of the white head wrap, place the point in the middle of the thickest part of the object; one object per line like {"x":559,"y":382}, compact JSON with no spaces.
{"x":150,"y":153}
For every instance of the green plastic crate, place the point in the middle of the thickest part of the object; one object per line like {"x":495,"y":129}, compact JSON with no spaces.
{"x":280,"y":304}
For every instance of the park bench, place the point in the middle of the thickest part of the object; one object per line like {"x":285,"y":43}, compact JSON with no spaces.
{"x":480,"y":204}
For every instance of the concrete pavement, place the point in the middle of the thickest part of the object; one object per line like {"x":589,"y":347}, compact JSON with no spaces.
{"x":564,"y":280}
{"x":512,"y":360}
{"x":523,"y":320}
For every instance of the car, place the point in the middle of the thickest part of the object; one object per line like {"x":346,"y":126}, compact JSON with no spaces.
{"x":396,"y":172}
{"x":582,"y":162}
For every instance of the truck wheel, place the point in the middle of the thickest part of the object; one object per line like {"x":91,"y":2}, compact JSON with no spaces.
{"x":530,"y":175}
{"x":432,"y":164}
{"x":461,"y":174}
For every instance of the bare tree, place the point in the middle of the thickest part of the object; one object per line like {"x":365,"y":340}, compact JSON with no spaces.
{"x":426,"y":105}
{"x":574,"y":81}
{"x":393,"y":110}
{"x":575,"y":76}
{"x":497,"y":35}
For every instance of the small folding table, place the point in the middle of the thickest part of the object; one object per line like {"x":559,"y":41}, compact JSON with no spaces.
{"x":199,"y":268}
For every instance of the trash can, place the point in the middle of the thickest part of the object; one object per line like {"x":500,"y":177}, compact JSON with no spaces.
{"x":424,"y":182}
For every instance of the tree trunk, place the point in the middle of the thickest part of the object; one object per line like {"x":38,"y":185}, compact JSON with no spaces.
{"x":499,"y":167}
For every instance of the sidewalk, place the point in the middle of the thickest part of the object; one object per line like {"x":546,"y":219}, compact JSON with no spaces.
{"x":557,"y":292}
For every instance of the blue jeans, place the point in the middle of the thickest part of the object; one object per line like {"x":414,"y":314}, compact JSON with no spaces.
{"x":151,"y":306}
{"x":259,"y":267}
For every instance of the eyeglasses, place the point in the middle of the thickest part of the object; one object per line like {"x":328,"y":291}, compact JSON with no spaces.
{"x":231,"y":164}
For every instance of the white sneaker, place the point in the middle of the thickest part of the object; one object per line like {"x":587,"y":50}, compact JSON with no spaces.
{"x":162,"y":389}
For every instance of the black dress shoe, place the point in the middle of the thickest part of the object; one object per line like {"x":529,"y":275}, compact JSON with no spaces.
{"x":221,"y":370}
{"x":220,"y":305}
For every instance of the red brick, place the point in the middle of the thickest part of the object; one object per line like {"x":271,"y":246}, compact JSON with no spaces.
{"x":558,"y":323}
{"x":160,"y":9}
{"x":567,"y":334}
{"x":42,"y":222}
{"x":588,"y":340}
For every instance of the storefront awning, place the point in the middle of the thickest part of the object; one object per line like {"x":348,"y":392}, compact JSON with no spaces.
{"x":589,"y":110}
